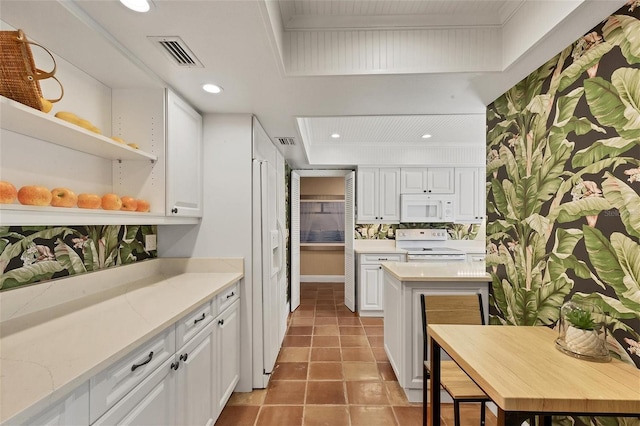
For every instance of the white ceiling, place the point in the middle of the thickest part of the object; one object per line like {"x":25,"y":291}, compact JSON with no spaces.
{"x":307,"y":67}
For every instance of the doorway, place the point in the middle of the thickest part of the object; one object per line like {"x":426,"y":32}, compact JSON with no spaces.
{"x":322,"y":212}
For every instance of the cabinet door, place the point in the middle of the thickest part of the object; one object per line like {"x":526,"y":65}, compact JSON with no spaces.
{"x":194,"y":380}
{"x":413,"y":180}
{"x":184,"y":158}
{"x":227,"y":355}
{"x":481,"y":185}
{"x":470,"y":195}
{"x":466,"y":195}
{"x":440,"y":180}
{"x":371,"y":288}
{"x":151,"y":403}
{"x":389,"y":195}
{"x":71,"y":411}
{"x":367,"y":195}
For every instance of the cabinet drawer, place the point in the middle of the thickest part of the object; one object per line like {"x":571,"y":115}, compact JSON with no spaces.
{"x":109,"y":386}
{"x":227,"y":297}
{"x":190,"y":325}
{"x":377,"y":258}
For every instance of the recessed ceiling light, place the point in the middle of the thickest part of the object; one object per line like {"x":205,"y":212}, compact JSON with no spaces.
{"x":211,"y":88}
{"x":137,"y":5}
{"x":335,"y":135}
{"x":426,"y":136}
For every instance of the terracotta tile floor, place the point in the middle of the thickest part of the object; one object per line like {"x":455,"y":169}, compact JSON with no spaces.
{"x":332,"y":370}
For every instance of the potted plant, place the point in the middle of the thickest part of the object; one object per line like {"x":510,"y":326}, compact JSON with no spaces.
{"x":582,"y":333}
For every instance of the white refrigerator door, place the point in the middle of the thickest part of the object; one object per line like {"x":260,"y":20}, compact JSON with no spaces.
{"x":272,"y":260}
{"x":295,"y":240}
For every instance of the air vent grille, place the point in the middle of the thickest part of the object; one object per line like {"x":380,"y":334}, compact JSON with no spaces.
{"x":177,"y":51}
{"x":286,"y":141}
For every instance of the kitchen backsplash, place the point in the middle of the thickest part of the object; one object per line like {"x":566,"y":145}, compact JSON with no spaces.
{"x":388,"y":232}
{"x":34,"y":254}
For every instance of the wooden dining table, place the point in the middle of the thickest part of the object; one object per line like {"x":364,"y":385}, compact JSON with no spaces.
{"x":524,"y":374}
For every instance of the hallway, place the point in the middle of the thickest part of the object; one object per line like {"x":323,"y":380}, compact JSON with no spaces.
{"x":332,"y":370}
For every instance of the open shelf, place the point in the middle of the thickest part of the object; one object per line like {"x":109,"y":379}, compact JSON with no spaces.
{"x":28,"y":121}
{"x":21,"y":215}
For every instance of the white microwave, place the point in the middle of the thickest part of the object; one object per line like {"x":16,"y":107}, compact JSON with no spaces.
{"x":425,"y":208}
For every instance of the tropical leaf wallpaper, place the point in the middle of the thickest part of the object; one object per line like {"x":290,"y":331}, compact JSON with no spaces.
{"x":388,"y":231}
{"x":33,"y":254}
{"x":563,"y":187}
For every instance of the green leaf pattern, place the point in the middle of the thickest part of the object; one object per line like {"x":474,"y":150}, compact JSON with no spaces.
{"x":28,"y":257}
{"x":547,"y":201}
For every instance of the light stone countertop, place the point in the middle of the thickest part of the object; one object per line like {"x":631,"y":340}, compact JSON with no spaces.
{"x":47,"y":353}
{"x":438,"y":271}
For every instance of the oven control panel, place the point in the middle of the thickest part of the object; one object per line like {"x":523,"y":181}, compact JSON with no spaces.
{"x":421,"y":234}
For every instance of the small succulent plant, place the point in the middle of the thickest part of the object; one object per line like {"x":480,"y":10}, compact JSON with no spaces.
{"x":581,"y":319}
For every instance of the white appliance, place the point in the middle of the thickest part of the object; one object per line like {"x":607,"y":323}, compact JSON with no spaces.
{"x":269,"y":257}
{"x":426,"y":208}
{"x":427,"y":245}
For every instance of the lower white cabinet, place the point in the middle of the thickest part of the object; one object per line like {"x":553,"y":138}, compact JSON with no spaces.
{"x":227,"y":354}
{"x":151,"y":403}
{"x":71,"y":411}
{"x":370,"y":282}
{"x":195,"y":379}
{"x":157,"y":384}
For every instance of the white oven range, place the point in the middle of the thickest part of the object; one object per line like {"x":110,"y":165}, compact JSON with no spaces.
{"x":427,"y":245}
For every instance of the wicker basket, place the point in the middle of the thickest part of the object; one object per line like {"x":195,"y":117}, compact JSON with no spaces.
{"x":19,"y":77}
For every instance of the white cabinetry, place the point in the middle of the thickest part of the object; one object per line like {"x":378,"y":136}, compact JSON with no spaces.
{"x":433,"y":180}
{"x":195,"y":380}
{"x":403,"y":335}
{"x":158,"y":385}
{"x":370,"y":282}
{"x":184,"y":158}
{"x":71,"y":411}
{"x":470,"y":195}
{"x":378,"y":195}
{"x":151,"y":403}
{"x":40,"y":149}
{"x":227,"y":354}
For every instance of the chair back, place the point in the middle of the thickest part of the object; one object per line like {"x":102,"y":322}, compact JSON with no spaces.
{"x":461,"y":309}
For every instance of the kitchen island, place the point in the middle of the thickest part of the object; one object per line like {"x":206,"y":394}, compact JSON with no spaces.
{"x":403,"y":335}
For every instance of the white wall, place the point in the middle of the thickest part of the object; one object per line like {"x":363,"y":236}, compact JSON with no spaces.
{"x":225,"y":228}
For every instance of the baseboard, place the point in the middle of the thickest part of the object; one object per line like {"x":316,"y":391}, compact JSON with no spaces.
{"x":321,"y":278}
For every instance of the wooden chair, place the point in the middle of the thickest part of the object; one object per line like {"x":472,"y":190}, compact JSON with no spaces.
{"x":452,"y":309}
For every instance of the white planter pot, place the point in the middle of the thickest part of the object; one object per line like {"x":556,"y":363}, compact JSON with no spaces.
{"x":585,"y":342}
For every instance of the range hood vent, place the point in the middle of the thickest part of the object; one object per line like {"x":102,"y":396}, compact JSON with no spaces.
{"x":177,"y":51}
{"x":286,"y":141}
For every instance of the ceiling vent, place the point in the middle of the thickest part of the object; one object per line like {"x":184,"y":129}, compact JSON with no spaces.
{"x":286,"y":141}
{"x":177,"y":51}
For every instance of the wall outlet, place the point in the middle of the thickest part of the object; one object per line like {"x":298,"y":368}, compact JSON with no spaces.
{"x":150,"y":242}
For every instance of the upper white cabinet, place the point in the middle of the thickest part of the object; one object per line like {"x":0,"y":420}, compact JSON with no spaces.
{"x":433,"y":180}
{"x":378,"y":195}
{"x":184,"y":158}
{"x":164,"y":165}
{"x":470,"y":195}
